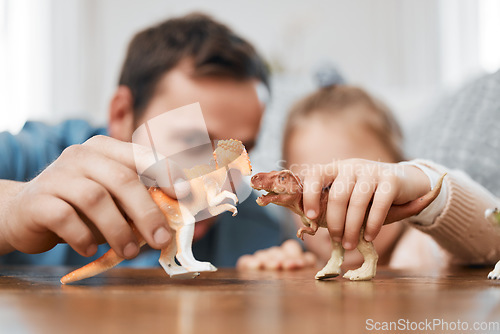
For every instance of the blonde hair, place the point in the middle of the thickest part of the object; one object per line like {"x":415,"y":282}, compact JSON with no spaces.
{"x":338,"y":100}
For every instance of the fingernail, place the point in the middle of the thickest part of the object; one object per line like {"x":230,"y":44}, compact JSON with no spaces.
{"x":130,"y":250}
{"x":368,"y":237}
{"x":347,"y":245}
{"x":161,"y":236}
{"x":91,"y":250}
{"x":311,"y":214}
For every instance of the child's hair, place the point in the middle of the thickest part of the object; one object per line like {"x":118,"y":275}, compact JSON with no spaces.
{"x":338,"y":100}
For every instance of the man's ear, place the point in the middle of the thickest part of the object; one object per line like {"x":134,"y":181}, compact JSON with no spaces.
{"x":121,"y":114}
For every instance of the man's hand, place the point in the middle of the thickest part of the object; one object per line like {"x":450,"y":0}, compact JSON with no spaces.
{"x":87,"y":196}
{"x":359,"y":189}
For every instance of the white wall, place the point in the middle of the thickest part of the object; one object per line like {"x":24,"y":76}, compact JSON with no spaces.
{"x":388,"y":45}
{"x":401,"y":49}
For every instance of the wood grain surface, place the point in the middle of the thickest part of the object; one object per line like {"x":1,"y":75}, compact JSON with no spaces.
{"x":126,"y":300}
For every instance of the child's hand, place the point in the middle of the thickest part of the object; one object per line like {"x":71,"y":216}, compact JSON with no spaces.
{"x":83,"y":198}
{"x":288,"y":256}
{"x":355,"y":184}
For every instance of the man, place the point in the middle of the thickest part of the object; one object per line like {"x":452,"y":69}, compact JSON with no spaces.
{"x":86,"y":195}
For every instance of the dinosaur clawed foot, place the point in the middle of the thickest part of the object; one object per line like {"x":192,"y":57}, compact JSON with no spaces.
{"x":202,"y":267}
{"x":495,"y":273}
{"x":234,"y":211}
{"x":327,"y":273}
{"x":308,"y":230}
{"x":187,"y":275}
{"x":233,"y":197}
{"x":366,"y":272}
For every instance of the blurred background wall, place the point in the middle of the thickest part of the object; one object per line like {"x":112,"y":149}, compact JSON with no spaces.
{"x":61,"y":58}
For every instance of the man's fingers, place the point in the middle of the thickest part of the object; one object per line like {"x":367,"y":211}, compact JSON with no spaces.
{"x":63,"y":221}
{"x":95,"y":202}
{"x":131,"y":195}
{"x":169,"y":177}
{"x":150,"y":164}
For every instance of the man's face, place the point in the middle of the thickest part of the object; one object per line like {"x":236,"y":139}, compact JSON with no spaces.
{"x":231,"y":110}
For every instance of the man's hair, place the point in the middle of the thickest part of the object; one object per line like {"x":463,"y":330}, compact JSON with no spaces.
{"x":338,"y":100}
{"x":214,"y":49}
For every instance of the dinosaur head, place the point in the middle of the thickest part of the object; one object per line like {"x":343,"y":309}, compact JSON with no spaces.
{"x":284,"y":188}
{"x":229,"y":153}
{"x":232,"y":153}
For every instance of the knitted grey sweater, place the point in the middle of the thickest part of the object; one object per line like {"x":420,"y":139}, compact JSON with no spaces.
{"x":464,"y":133}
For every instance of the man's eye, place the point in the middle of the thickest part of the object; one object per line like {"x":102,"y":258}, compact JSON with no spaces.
{"x":282,"y":178}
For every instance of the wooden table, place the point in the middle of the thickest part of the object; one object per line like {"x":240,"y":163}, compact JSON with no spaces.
{"x":147,"y":301}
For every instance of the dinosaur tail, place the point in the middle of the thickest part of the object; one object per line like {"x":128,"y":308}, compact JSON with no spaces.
{"x":171,"y":210}
{"x":400,"y":212}
{"x":109,"y":260}
{"x":105,"y":262}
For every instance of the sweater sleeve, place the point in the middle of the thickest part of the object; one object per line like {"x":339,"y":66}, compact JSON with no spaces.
{"x":461,"y":228}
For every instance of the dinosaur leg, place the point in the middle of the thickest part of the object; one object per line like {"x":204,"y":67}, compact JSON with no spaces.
{"x":369,"y":267}
{"x":215,"y":199}
{"x":184,"y":238}
{"x":311,"y":228}
{"x":167,"y":261}
{"x":214,"y":194}
{"x":495,"y":274}
{"x":332,"y":268}
{"x":217,"y":210}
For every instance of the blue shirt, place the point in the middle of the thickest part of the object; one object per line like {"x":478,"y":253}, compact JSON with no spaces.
{"x":26,"y":154}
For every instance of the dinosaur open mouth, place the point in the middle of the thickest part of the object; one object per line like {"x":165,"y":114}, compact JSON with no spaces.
{"x":265,"y":199}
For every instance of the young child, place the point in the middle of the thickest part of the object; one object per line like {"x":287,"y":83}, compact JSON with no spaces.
{"x":327,"y":135}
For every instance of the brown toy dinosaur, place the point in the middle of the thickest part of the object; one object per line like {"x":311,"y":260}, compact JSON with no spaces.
{"x":285,"y":188}
{"x":206,"y":183}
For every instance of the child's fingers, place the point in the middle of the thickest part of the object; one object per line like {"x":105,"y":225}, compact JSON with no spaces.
{"x":273,"y":264}
{"x":311,"y":195}
{"x":358,"y":205}
{"x":292,"y":248}
{"x":338,"y":199}
{"x":310,"y":259}
{"x":314,"y":181}
{"x":382,"y":201}
{"x":62,"y":220}
{"x":288,"y":256}
{"x":248,"y":262}
{"x":291,"y":264}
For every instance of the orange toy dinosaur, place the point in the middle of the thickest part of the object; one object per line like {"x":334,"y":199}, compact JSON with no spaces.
{"x":206,"y":183}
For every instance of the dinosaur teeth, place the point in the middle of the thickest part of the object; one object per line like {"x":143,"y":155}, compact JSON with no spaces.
{"x":267,"y":198}
{"x":270,"y":194}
